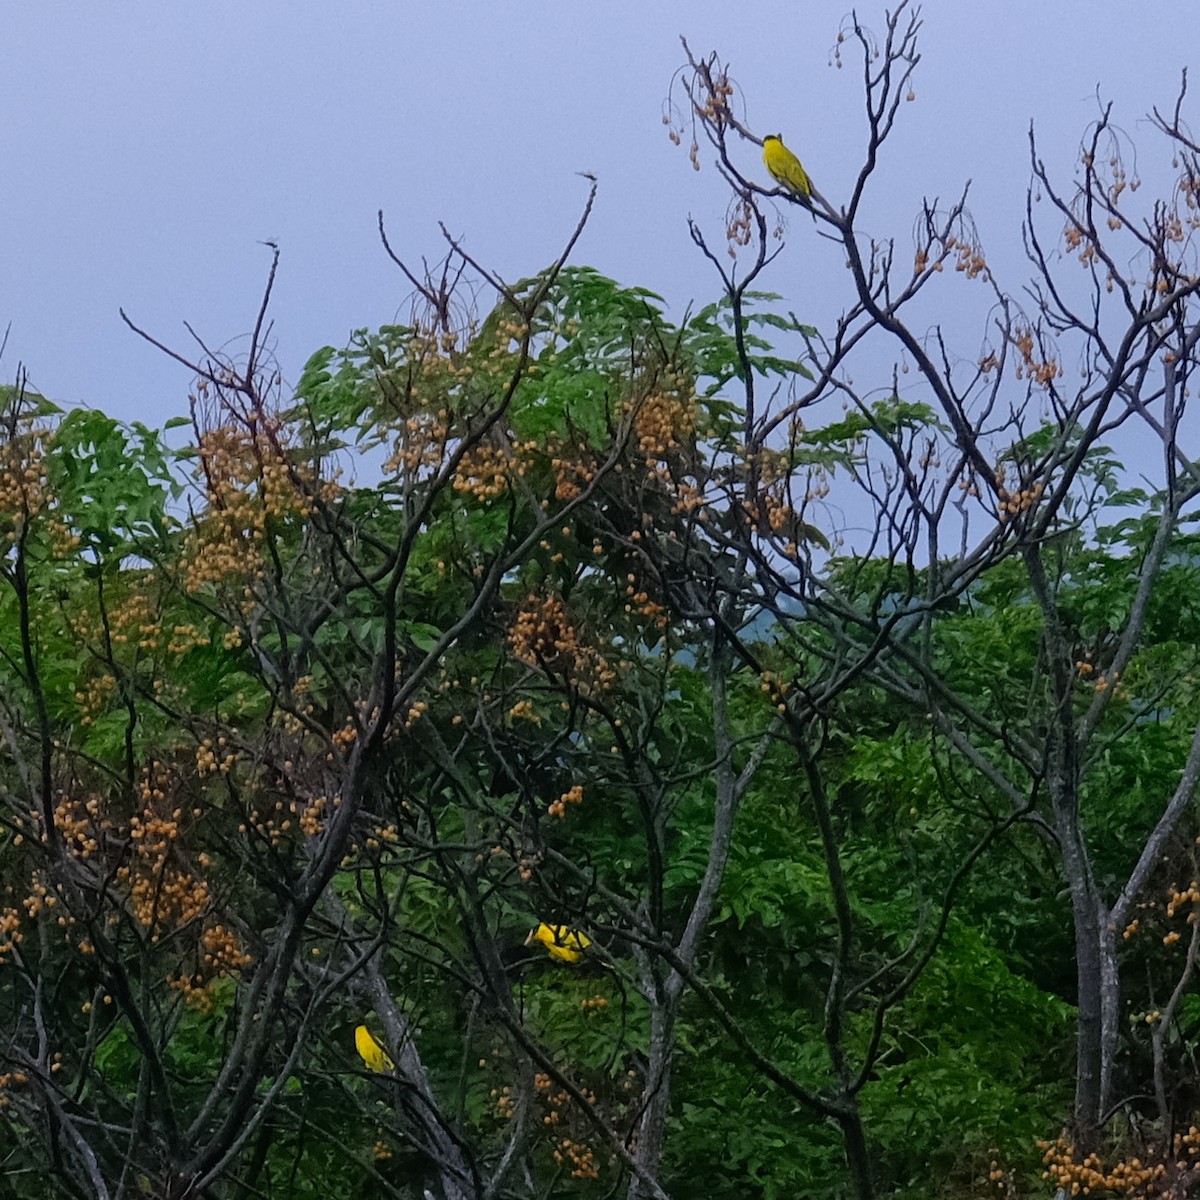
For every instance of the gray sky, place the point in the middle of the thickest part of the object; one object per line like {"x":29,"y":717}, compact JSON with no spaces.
{"x":146,"y":149}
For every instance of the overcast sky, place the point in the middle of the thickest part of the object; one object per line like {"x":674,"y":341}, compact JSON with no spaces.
{"x":147,"y":148}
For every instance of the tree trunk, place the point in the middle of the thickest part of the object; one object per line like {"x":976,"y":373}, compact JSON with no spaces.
{"x":1088,"y":915}
{"x":858,"y":1158}
{"x":1110,"y":1004}
{"x":651,"y":1129}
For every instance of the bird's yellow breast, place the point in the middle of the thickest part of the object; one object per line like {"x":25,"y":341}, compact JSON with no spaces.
{"x":561,"y":942}
{"x":785,"y":167}
{"x":370,"y":1051}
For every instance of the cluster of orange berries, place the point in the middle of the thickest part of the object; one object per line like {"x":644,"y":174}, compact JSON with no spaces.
{"x":1040,"y":371}
{"x":1177,"y":898}
{"x":659,"y":421}
{"x":1130,"y":1178}
{"x":573,"y":795}
{"x":1086,"y":670}
{"x":93,"y":696}
{"x":185,"y":638}
{"x":134,"y":616}
{"x":555,"y":1102}
{"x":1186,"y":1144}
{"x":223,"y":953}
{"x":249,"y":482}
{"x":382,"y":835}
{"x":160,"y":891}
{"x":235,"y":459}
{"x":523,"y":710}
{"x":23,"y":475}
{"x":63,"y":543}
{"x":485,"y":472}
{"x":554,"y":1098}
{"x":154,"y":833}
{"x":10,"y":931}
{"x":505,"y":1105}
{"x":1189,"y":189}
{"x":310,"y":816}
{"x":194,"y":989}
{"x":207,"y":760}
{"x":740,"y":230}
{"x":280,"y":819}
{"x":768,"y":512}
{"x":1009,"y":504}
{"x":292,"y":723}
{"x":8,"y":1080}
{"x":545,"y":543}
{"x":1077,"y":243}
{"x":38,"y":898}
{"x":510,"y":332}
{"x":420,"y":444}
{"x":165,"y":894}
{"x":716,"y":102}
{"x":16,"y":1078}
{"x":971,"y":261}
{"x":776,"y":688}
{"x":80,"y":623}
{"x":1001,"y":1179}
{"x":429,"y":342}
{"x":570,"y":477}
{"x":345,"y":737}
{"x":1120,"y":180}
{"x":688,"y":499}
{"x":543,"y":635}
{"x":215,"y":552}
{"x":1181,"y":896}
{"x":639,"y":601}
{"x":593,"y":1004}
{"x":79,"y":824}
{"x":579,"y":1156}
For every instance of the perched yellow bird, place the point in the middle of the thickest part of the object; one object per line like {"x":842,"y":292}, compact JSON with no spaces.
{"x":785,"y":168}
{"x":561,"y":942}
{"x":370,"y":1051}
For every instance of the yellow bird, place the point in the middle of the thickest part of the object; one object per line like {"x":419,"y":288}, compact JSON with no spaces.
{"x":370,"y":1051}
{"x":561,"y":942}
{"x":785,"y":168}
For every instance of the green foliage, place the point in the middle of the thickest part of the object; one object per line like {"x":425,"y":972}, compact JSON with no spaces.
{"x":323,"y":753}
{"x":957,"y":1078}
{"x":723,"y":340}
{"x":112,"y":484}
